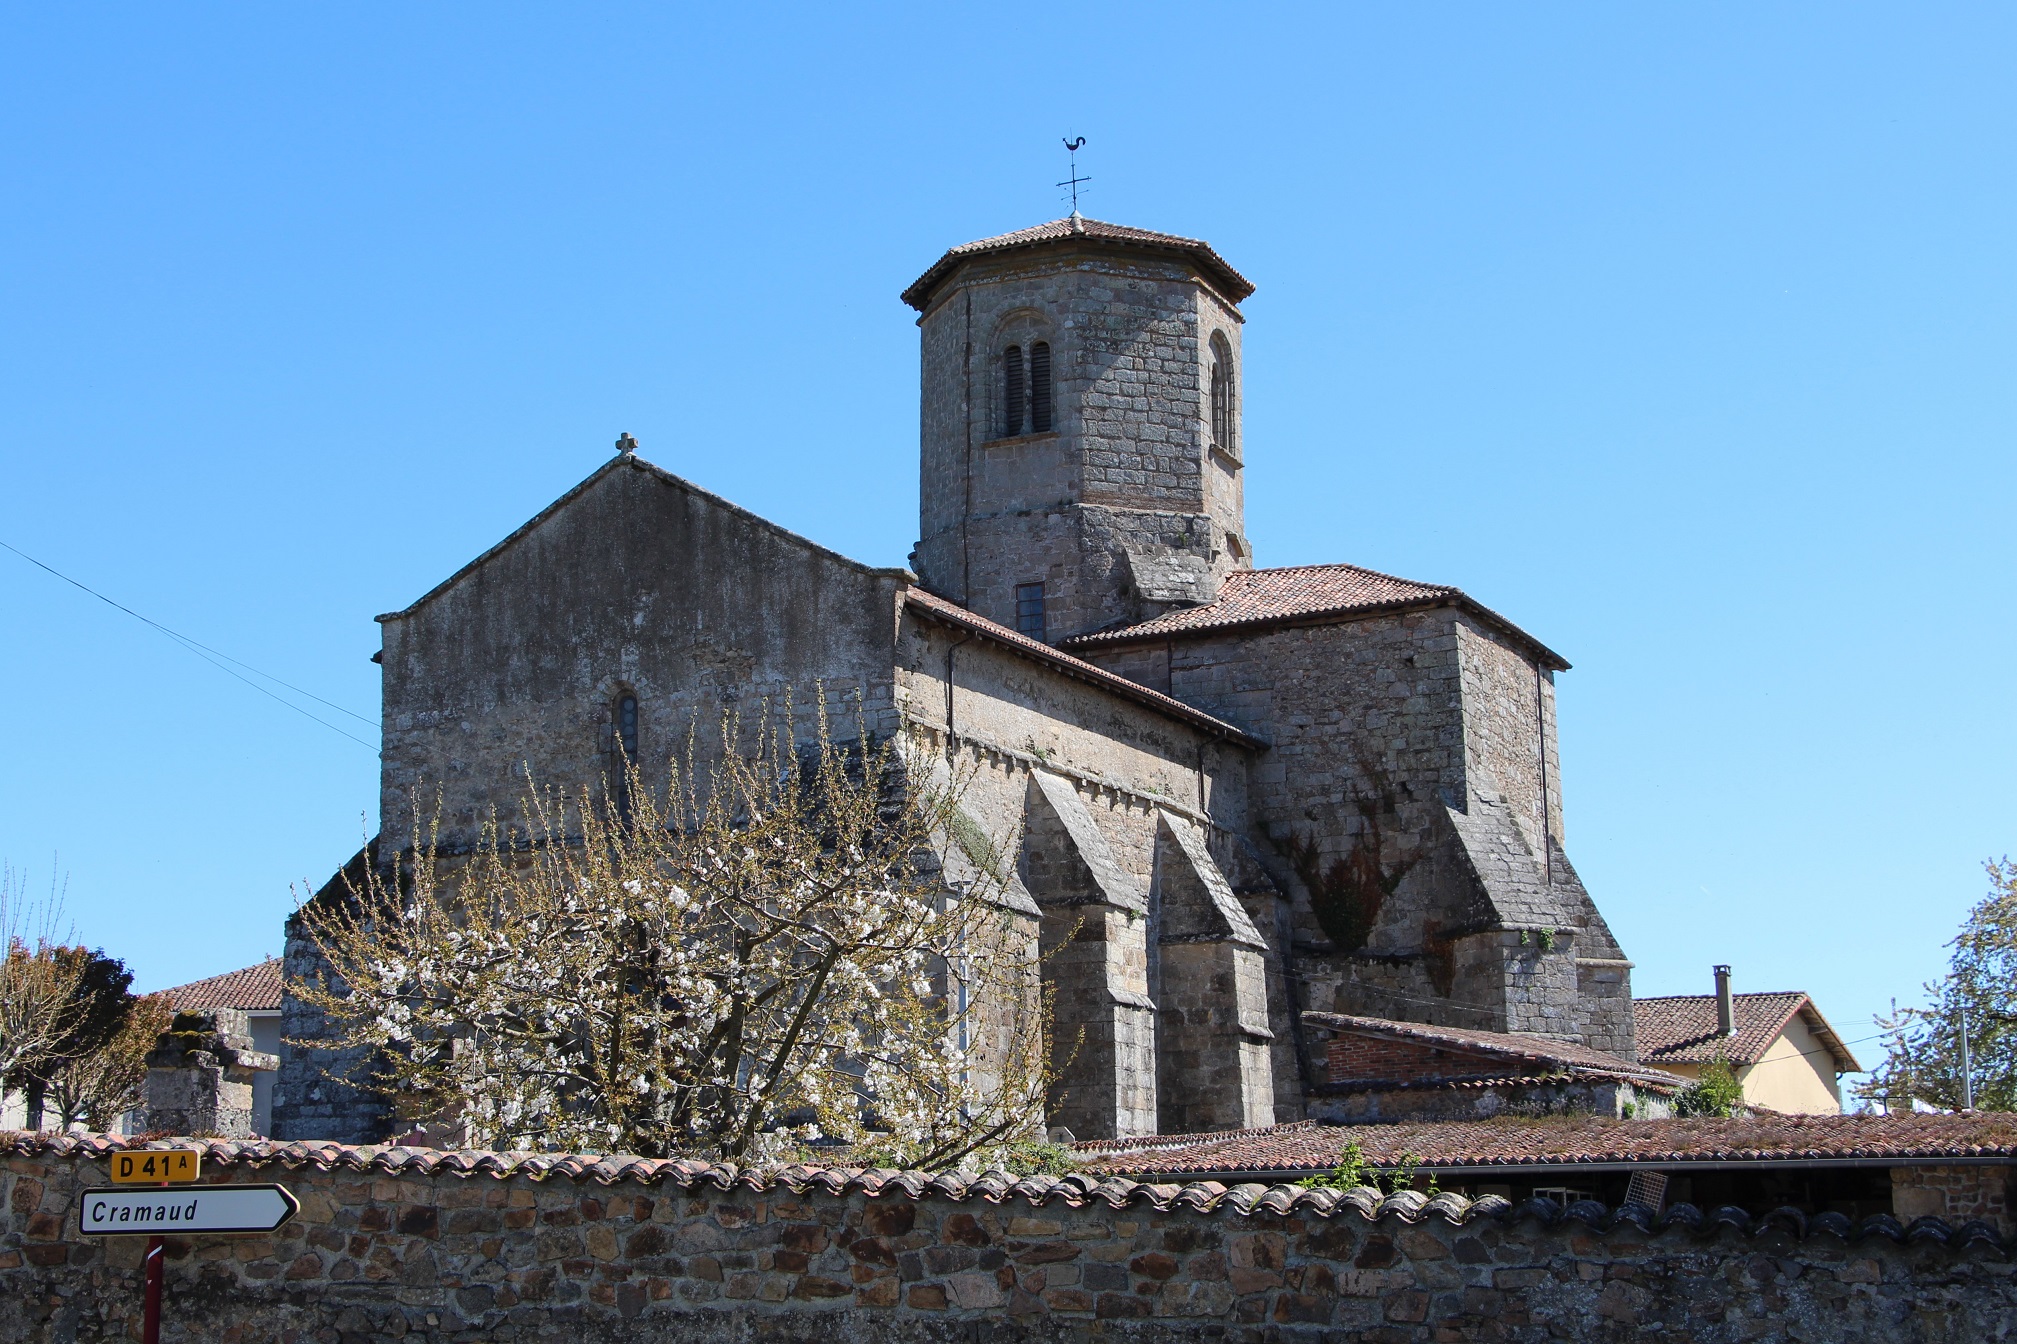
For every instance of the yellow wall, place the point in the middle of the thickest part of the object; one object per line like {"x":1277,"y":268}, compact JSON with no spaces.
{"x":1797,"y":1075}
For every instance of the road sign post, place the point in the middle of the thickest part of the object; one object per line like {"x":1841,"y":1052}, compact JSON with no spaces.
{"x":185,"y":1209}
{"x":157,"y":1207}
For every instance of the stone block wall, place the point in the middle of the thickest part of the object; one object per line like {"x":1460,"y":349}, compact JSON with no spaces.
{"x":1419,"y":894}
{"x":636,"y":583}
{"x":403,"y":1245}
{"x":1121,"y":500}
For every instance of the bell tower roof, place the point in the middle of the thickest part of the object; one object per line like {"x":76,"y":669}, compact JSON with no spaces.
{"x":1075,"y":230}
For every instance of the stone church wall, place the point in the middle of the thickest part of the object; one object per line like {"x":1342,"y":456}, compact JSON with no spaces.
{"x":636,"y":582}
{"x":1122,"y":766}
{"x":1509,"y":727}
{"x":436,"y":1248}
{"x":1377,"y":728}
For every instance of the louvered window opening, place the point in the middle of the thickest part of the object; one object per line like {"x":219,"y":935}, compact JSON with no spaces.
{"x":1040,"y":388}
{"x":1030,"y":609}
{"x":1013,"y":392}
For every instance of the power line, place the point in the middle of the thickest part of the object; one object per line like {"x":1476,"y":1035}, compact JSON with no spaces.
{"x":211,"y":656}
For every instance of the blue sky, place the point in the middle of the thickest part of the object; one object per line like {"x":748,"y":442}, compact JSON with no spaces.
{"x":1681,"y":335}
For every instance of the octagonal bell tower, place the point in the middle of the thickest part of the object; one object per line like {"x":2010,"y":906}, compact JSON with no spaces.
{"x":1081,"y":451}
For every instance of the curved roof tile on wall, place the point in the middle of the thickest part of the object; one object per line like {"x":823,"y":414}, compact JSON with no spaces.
{"x":1566,"y":1141}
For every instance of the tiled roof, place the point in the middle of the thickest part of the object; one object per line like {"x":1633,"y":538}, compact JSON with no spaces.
{"x":1259,"y":597}
{"x":1075,"y":228}
{"x":1571,"y":1141}
{"x":1681,"y":1028}
{"x":256,"y":988}
{"x":996,"y":1187}
{"x":932,"y":605}
{"x":1527,"y":1049}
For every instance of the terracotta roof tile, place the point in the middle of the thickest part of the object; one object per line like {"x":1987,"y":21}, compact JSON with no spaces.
{"x":1541,"y":1050}
{"x":1258,"y":597}
{"x":996,"y":1187}
{"x":1568,"y":1141}
{"x":931,"y":604}
{"x":256,"y":988}
{"x":1235,"y":286}
{"x":1681,"y":1028}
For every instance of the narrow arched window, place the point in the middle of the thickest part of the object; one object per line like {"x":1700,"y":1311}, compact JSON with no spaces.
{"x":1040,"y":388}
{"x":623,"y":754}
{"x":1222,"y":395}
{"x":1013,"y":392}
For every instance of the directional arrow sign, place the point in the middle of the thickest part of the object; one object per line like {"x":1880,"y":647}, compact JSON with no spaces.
{"x":188,"y":1208}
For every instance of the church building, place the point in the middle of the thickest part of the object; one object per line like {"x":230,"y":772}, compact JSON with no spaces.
{"x":1239,"y":794}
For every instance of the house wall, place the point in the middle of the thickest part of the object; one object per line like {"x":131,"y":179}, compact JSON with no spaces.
{"x":265,"y":1038}
{"x":1796,"y":1074}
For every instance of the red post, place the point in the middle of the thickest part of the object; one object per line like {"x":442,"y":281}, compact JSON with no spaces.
{"x":150,"y":1320}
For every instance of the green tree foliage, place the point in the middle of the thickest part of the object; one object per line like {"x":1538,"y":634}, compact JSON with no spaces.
{"x":1716,"y":1093}
{"x":1922,"y":1046}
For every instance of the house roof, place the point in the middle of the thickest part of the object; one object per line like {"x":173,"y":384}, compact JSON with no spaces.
{"x":256,"y":989}
{"x":937,"y":608}
{"x":1299,"y":594}
{"x":994,"y":1188}
{"x":1567,"y":1143}
{"x":1075,"y":229}
{"x":1681,"y":1028}
{"x":1515,"y":1047}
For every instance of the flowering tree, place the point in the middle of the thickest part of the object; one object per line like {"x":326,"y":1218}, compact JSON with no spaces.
{"x":1923,"y":1045}
{"x":764,"y":957}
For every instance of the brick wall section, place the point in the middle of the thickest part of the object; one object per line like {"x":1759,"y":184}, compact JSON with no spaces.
{"x":1354,"y":1058}
{"x":591,"y":1254}
{"x":1954,"y":1192}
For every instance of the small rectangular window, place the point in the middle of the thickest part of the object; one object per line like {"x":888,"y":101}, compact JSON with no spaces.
{"x":1030,"y":609}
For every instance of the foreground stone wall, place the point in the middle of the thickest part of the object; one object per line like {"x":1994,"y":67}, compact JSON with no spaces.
{"x":400,"y":1244}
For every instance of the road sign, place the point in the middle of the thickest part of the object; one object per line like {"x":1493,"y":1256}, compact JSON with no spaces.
{"x":156,"y":1166}
{"x":203,"y":1208}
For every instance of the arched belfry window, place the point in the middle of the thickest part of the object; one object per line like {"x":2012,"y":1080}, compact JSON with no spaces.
{"x":1040,"y":388}
{"x":1014,"y":391}
{"x":1222,"y":395}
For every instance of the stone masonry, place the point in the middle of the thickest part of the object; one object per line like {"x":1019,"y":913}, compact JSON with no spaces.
{"x":397,"y":1244}
{"x":1126,"y":506}
{"x":199,"y":1075}
{"x":1229,"y":795}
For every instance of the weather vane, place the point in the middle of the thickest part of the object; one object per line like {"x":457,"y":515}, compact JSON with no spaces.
{"x":1072,"y":147}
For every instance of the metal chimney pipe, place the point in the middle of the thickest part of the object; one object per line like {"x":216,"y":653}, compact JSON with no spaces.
{"x":1726,"y":1010}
